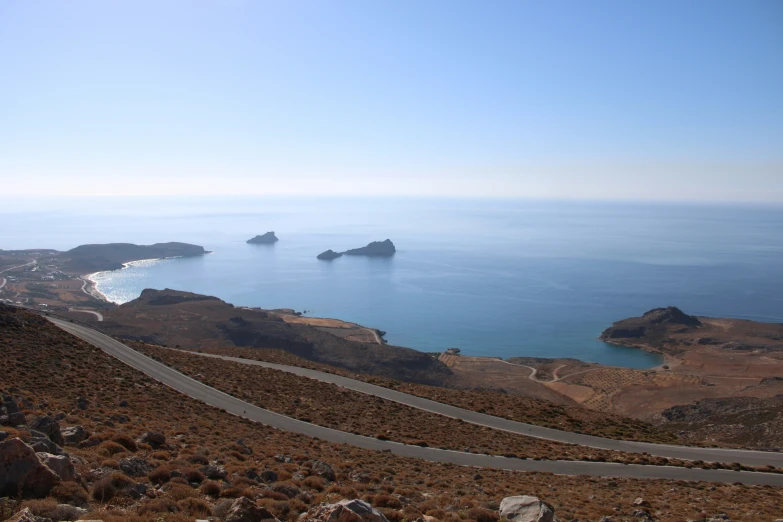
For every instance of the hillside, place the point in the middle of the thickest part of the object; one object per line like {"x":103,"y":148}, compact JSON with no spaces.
{"x":151,"y":453}
{"x":193,"y":322}
{"x":94,"y":258}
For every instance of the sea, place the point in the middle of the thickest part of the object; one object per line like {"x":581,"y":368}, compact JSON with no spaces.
{"x":505,"y":278}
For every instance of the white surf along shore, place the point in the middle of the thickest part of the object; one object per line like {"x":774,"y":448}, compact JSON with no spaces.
{"x":92,"y":281}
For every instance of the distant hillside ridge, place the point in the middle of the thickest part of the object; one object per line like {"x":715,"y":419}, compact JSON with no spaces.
{"x":192,"y":321}
{"x":112,"y":256}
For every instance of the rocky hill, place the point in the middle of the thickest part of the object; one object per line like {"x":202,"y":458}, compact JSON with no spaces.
{"x":374,"y":249}
{"x":265,"y":239}
{"x":94,"y":258}
{"x":193,"y":321}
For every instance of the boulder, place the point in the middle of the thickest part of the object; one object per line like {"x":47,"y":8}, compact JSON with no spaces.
{"x":214,"y":472}
{"x":135,"y":466}
{"x":73,"y":435}
{"x":344,"y":511}
{"x":268,"y":476}
{"x":289,"y":490}
{"x":153,"y":438}
{"x":41,"y":443}
{"x":13,"y":419}
{"x":48,"y":426}
{"x":244,"y":510}
{"x":323,"y":470}
{"x":526,"y":509}
{"x":61,"y":465}
{"x":3,"y":435}
{"x":21,"y":471}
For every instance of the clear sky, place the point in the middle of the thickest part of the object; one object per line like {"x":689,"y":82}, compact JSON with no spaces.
{"x":655,"y":99}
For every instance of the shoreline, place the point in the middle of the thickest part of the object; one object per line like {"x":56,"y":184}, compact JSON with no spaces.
{"x":91,"y":285}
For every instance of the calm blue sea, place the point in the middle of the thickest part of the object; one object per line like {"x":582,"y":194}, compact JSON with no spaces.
{"x":501,"y":278}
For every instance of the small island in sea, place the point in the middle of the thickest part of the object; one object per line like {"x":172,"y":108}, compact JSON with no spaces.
{"x":329,"y":255}
{"x":266,"y":239}
{"x":374,"y":249}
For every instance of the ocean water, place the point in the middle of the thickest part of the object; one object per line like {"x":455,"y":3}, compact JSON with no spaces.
{"x":500,"y":278}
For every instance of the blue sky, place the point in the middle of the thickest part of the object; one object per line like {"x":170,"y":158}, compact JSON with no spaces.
{"x":663,"y":100}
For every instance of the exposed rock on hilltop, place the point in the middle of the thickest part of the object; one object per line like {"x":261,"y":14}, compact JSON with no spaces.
{"x":652,"y":327}
{"x":374,"y":249}
{"x":329,"y":255}
{"x":265,"y":239}
{"x":192,"y":321}
{"x":112,"y":256}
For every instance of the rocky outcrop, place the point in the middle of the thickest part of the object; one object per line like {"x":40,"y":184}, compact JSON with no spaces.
{"x":375,"y":249}
{"x":244,"y":510}
{"x":153,"y":438}
{"x":328,"y":255}
{"x":73,"y":435}
{"x":652,"y":326}
{"x":61,"y":465}
{"x":266,"y":239}
{"x":526,"y":509}
{"x":323,"y":470}
{"x":10,"y":413}
{"x":48,"y":426}
{"x":21,"y":471}
{"x":135,"y":466}
{"x":344,"y":511}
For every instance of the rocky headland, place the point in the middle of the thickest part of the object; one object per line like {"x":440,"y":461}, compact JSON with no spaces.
{"x":374,"y":249}
{"x":263,"y":239}
{"x":112,"y":256}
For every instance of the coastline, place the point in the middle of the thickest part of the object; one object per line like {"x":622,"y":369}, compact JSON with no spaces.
{"x":91,"y":284}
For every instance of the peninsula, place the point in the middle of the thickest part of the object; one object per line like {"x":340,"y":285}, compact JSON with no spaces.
{"x":266,"y":239}
{"x":374,"y":249}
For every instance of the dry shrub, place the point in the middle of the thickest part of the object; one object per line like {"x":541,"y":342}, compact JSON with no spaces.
{"x":211,"y":488}
{"x":180,"y":492}
{"x":231,"y":492}
{"x":103,"y":490}
{"x":125,"y":441}
{"x":316,"y":483}
{"x":482,"y":515}
{"x":41,"y":507}
{"x":194,"y":475}
{"x":198,"y":459}
{"x":344,"y":491}
{"x":274,"y":495}
{"x":110,"y":463}
{"x":179,"y":480}
{"x":160,"y":475}
{"x":386,"y":501}
{"x":392,"y":515}
{"x":160,"y":455}
{"x":70,"y":493}
{"x":109,"y":448}
{"x":158,"y":505}
{"x":195,"y":507}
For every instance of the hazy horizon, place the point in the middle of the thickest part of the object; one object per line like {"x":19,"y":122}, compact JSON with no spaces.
{"x":609,"y":100}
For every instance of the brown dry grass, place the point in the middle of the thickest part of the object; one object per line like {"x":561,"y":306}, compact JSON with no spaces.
{"x":48,"y":366}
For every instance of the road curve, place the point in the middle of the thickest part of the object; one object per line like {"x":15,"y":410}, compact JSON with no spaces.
{"x":218,"y":399}
{"x":746,"y":457}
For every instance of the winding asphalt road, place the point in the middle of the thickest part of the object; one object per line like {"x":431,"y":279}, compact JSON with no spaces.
{"x":747,"y":457}
{"x":218,"y":399}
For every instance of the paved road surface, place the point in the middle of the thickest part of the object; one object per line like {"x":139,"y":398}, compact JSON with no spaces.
{"x":98,"y":315}
{"x":747,"y":457}
{"x":218,"y":399}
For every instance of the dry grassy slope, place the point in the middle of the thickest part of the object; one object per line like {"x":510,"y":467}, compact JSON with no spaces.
{"x":54,"y":369}
{"x":514,"y":407}
{"x":192,"y":321}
